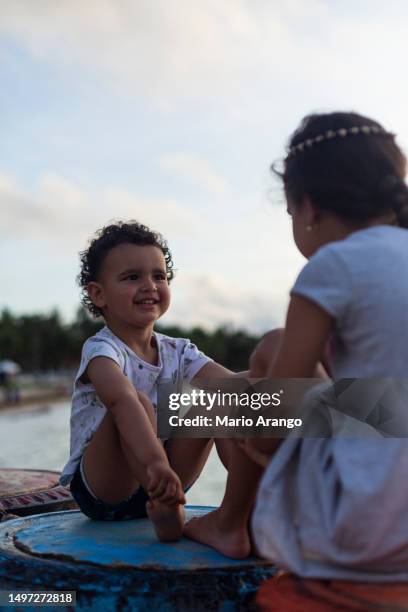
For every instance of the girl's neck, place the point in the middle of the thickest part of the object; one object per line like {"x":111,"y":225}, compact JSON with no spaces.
{"x":333,"y":228}
{"x":139,"y":340}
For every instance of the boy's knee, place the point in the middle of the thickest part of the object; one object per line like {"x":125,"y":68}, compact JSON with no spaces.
{"x":274,"y":336}
{"x":265,"y":353}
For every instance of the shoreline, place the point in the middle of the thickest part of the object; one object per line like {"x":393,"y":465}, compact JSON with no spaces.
{"x":35,"y":398}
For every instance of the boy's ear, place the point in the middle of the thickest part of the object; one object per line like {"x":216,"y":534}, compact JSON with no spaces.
{"x":96,"y":294}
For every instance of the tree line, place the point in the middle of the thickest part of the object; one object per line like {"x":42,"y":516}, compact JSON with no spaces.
{"x":43,"y":342}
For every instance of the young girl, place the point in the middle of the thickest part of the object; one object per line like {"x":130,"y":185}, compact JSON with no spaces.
{"x":338,"y":507}
{"x":117,"y":466}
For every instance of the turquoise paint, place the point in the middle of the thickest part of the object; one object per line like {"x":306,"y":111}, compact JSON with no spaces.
{"x":131,"y":543}
{"x":122,"y":566}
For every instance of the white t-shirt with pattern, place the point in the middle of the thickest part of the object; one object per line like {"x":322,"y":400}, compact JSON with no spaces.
{"x":179,"y":360}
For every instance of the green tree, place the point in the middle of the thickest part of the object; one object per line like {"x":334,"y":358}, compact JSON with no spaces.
{"x":42,"y":342}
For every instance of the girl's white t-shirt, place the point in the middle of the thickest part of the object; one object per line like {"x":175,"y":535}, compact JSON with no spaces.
{"x":337,"y":508}
{"x":179,"y":360}
{"x":361,"y":282}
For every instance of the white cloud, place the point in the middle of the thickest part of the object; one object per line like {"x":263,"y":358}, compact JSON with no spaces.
{"x":162,"y":46}
{"x":211,"y":301}
{"x":230,"y":80}
{"x":178,"y":48}
{"x":193,"y":168}
{"x":19,"y":212}
{"x":166,"y":215}
{"x":250,"y":61}
{"x":59,"y":211}
{"x":235,"y":274}
{"x":55,"y":212}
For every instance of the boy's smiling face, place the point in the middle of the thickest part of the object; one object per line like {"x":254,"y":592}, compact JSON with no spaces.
{"x":132,"y":287}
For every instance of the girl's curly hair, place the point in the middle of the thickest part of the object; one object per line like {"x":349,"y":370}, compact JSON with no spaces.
{"x":106,"y":239}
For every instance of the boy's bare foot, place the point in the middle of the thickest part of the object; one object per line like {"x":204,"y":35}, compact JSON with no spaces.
{"x":211,"y":530}
{"x":168,"y":521}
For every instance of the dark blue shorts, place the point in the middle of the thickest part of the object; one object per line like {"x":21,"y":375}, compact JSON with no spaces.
{"x":131,"y":508}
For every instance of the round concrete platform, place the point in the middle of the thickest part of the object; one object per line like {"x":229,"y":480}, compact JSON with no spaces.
{"x":26,"y":492}
{"x":15,"y":482}
{"x":122,"y":566}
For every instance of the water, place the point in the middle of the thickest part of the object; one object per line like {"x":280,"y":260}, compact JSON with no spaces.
{"x":38,"y":438}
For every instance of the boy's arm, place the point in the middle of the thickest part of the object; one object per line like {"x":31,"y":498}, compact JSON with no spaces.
{"x":121,"y":399}
{"x":216,"y":370}
{"x":207,"y":377}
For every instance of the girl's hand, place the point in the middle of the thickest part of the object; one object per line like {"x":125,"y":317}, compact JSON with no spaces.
{"x":164,"y":484}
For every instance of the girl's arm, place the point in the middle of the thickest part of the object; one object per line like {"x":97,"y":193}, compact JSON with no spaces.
{"x":307,"y":330}
{"x":306,"y":333}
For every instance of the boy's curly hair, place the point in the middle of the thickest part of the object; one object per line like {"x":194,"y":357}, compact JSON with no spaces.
{"x":106,"y":239}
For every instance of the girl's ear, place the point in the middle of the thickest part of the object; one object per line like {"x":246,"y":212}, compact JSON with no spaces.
{"x":96,"y":294}
{"x":313,"y":215}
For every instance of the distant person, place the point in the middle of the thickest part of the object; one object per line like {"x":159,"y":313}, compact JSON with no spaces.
{"x":332,"y":507}
{"x":9,"y":382}
{"x":118,"y":469}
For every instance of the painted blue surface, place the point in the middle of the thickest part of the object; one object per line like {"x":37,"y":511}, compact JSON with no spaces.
{"x":122,"y":566}
{"x":131,"y":543}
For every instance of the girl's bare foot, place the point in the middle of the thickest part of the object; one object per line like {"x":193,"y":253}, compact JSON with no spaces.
{"x":212,"y":530}
{"x":168,"y":521}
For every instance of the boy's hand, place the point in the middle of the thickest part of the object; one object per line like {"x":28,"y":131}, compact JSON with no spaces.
{"x":164,"y":484}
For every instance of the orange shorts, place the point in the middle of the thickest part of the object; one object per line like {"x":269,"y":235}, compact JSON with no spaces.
{"x":289,"y":593}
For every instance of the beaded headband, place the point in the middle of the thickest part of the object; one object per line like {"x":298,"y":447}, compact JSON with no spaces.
{"x":342,"y":133}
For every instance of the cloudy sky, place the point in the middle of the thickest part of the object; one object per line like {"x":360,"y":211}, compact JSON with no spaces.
{"x":170,"y":112}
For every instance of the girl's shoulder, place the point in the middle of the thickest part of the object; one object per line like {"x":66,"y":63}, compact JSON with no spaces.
{"x":363,"y":261}
{"x":375,"y":235}
{"x":361,"y":245}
